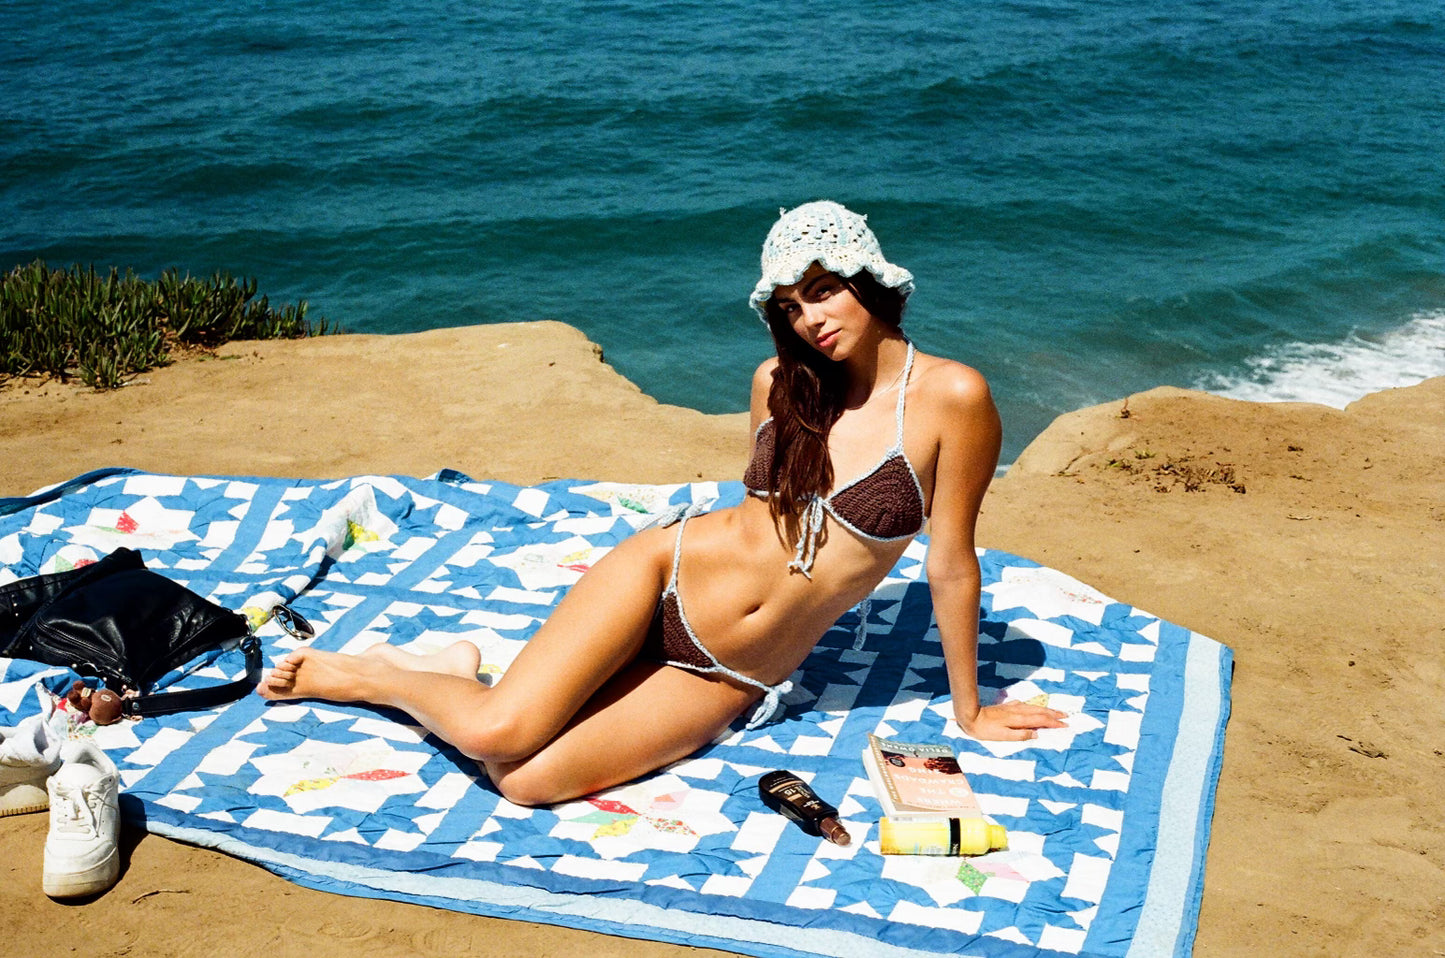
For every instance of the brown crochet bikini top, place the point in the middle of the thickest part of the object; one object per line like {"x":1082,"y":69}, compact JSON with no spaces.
{"x":884,"y":504}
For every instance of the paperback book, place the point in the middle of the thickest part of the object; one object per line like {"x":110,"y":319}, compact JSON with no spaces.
{"x":918,"y":782}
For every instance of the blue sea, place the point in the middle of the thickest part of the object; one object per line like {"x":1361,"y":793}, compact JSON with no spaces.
{"x":1095,"y":197}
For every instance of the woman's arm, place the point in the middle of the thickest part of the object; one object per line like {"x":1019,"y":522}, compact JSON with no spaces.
{"x":968,"y":447}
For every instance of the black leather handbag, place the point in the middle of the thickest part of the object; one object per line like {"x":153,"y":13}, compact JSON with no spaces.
{"x":120,"y":622}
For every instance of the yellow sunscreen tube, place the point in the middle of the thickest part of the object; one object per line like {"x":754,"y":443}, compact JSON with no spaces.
{"x":951,"y":836}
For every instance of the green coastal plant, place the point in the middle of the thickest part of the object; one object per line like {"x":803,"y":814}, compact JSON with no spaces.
{"x":102,"y":329}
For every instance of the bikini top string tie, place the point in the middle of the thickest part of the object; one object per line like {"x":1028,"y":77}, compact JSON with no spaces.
{"x":811,"y":524}
{"x":683,"y":510}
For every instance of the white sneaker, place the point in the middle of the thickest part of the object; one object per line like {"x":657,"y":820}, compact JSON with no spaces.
{"x":29,"y":754}
{"x":80,"y":853}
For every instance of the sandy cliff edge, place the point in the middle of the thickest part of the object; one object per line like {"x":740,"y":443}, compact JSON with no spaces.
{"x":520,"y":402}
{"x":1307,"y":539}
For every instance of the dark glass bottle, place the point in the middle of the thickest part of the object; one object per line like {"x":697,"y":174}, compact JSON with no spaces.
{"x":787,"y":793}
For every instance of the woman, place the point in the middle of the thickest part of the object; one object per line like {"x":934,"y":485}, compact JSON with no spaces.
{"x":625,"y":676}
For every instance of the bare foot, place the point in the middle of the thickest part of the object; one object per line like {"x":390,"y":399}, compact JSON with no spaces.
{"x":461,"y":659}
{"x":311,"y":674}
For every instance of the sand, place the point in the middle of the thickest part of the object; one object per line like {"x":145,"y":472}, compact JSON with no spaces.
{"x":1309,"y":540}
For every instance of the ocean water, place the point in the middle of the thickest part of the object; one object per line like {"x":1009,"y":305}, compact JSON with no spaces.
{"x":1095,"y":197}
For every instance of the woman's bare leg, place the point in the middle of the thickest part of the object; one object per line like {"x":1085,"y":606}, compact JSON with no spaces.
{"x":645,"y":717}
{"x":460,"y":659}
{"x":597,"y":628}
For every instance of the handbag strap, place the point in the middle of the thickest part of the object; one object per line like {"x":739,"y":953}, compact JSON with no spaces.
{"x":184,"y":700}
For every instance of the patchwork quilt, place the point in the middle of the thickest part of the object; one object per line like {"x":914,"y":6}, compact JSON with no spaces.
{"x":1107,"y":819}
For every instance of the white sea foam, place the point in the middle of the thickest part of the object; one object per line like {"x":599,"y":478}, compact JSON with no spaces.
{"x":1336,"y":374}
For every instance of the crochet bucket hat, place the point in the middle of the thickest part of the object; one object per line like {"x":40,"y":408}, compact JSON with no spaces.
{"x":831,"y":235}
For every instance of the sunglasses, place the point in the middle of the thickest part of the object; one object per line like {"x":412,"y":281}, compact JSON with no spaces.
{"x":293,"y":622}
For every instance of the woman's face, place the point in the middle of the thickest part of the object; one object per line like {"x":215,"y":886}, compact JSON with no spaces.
{"x":825,"y":314}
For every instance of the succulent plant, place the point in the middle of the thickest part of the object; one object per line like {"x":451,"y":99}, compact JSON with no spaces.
{"x":103,"y":329}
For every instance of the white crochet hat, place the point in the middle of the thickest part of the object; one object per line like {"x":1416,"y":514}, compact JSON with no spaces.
{"x":829,"y":234}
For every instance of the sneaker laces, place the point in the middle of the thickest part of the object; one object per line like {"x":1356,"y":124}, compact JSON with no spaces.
{"x":76,"y":812}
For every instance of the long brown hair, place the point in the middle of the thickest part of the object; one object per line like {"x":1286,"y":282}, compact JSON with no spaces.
{"x":808,"y":395}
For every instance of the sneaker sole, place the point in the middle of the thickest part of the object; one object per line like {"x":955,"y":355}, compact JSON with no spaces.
{"x":89,"y":882}
{"x":23,"y":798}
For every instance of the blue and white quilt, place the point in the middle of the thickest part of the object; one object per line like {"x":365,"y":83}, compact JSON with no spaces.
{"x":1108,"y":819}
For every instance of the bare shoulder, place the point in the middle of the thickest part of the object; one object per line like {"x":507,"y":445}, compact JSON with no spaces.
{"x":763,"y":380}
{"x":762,"y":385}
{"x":952,"y":388}
{"x":763,"y":375}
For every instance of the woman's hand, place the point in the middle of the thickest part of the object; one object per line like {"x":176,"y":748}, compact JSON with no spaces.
{"x":1012,"y":722}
